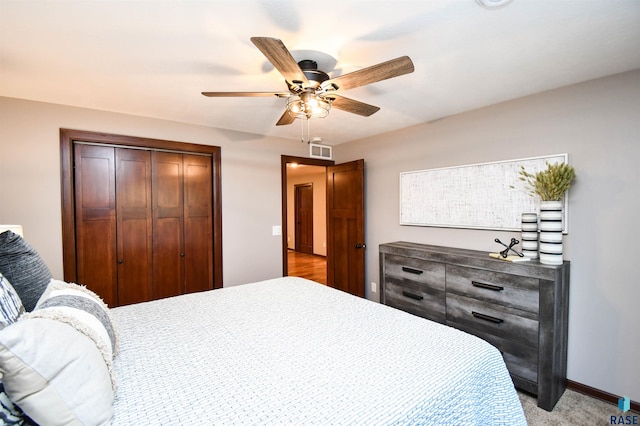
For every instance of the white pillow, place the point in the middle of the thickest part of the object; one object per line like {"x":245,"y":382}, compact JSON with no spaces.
{"x":55,"y":374}
{"x":57,"y":361}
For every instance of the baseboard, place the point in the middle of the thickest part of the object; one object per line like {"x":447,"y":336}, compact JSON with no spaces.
{"x":597,"y":393}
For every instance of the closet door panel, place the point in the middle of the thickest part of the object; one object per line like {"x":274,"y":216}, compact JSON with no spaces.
{"x":198,"y":225}
{"x":168,"y":209}
{"x":95,"y":212}
{"x":133,"y":190}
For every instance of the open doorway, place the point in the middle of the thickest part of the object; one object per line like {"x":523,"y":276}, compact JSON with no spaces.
{"x":307,"y":221}
{"x":344,"y":212}
{"x":304,"y":218}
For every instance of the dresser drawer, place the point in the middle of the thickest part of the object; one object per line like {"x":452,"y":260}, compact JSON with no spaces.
{"x":408,"y":269}
{"x":497,"y":320}
{"x":416,"y":286}
{"x":521,"y":360}
{"x":416,"y":298}
{"x":506,"y":289}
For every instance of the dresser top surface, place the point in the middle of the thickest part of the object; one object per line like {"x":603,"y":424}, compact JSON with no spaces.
{"x":473,"y":258}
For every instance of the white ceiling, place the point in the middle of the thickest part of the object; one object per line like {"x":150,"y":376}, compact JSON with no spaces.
{"x":153,"y":58}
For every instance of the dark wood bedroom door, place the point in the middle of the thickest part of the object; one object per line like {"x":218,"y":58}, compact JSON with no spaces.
{"x":345,"y":227}
{"x":303,"y":201}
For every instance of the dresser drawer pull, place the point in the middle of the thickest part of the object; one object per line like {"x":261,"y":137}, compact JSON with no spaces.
{"x":411,"y":270}
{"x":411,"y":295}
{"x":487,"y":286}
{"x":487,"y":317}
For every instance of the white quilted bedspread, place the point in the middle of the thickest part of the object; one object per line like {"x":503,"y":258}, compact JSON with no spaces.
{"x":291,"y":351}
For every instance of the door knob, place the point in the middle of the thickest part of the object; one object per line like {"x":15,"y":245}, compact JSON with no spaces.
{"x":119,"y":261}
{"x":359,"y":246}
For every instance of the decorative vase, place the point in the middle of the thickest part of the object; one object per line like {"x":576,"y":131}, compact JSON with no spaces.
{"x":551,"y":232}
{"x":530,"y":235}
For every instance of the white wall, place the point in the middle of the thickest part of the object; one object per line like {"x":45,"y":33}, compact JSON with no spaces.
{"x":598,"y":124}
{"x":251,"y":184}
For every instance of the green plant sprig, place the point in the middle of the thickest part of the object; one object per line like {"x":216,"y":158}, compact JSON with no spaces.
{"x":550,"y":184}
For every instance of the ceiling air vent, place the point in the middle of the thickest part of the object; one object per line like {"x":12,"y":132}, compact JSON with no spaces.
{"x":320,"y":151}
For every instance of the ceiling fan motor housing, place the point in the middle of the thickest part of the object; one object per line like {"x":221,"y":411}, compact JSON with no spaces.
{"x":313,"y":74}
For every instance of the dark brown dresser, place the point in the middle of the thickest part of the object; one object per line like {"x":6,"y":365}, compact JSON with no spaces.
{"x":521,"y":308}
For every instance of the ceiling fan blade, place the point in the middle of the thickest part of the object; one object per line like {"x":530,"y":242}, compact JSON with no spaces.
{"x":353,"y":106}
{"x":285,"y":119}
{"x":382,"y":71}
{"x":278,"y":54}
{"x":244,"y":94}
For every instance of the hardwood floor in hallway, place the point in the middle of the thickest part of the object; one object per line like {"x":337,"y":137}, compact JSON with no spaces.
{"x":310,"y":266}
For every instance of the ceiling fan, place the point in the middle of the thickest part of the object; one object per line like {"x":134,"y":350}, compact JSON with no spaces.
{"x":311,"y":91}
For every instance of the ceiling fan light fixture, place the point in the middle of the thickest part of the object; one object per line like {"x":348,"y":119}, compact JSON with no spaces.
{"x":308,"y":106}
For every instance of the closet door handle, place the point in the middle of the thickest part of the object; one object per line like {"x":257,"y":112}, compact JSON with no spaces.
{"x":411,"y":295}
{"x":487,"y":286}
{"x":487,"y":317}
{"x":181,"y":254}
{"x":120,"y":261}
{"x":411,"y":270}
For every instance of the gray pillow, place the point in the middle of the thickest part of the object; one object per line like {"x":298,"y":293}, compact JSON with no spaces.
{"x":10,"y":304}
{"x":24,"y":268}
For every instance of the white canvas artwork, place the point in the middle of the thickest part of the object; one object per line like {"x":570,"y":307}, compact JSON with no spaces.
{"x":478,"y":196}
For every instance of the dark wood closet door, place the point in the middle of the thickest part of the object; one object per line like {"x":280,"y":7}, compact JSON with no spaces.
{"x":95,"y":220}
{"x":183,"y":219}
{"x":168,"y":218}
{"x":141,"y":218}
{"x":134,"y":237}
{"x":198,"y":222}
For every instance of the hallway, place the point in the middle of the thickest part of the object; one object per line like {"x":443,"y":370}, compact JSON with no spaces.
{"x":310,"y":266}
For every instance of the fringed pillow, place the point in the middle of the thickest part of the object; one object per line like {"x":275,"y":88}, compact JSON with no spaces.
{"x":57,"y":361}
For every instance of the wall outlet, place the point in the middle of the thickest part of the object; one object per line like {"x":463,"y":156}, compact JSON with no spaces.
{"x":374,"y":287}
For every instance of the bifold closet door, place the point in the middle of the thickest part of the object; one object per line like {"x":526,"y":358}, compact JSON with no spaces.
{"x":95,"y":224}
{"x":134,"y":229}
{"x":168,"y":219}
{"x":182,"y":224}
{"x":198,"y":222}
{"x":113,"y":222}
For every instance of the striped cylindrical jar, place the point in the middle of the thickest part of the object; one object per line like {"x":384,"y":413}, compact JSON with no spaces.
{"x":551,"y":232}
{"x":530,"y":235}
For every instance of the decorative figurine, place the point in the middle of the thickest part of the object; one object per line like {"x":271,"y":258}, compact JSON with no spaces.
{"x":504,"y":253}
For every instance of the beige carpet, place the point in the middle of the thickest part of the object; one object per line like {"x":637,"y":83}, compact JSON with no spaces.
{"x":572,"y":409}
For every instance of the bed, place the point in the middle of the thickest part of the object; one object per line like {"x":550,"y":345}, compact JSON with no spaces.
{"x":292,"y":351}
{"x":281,"y":351}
